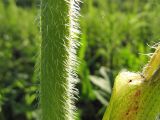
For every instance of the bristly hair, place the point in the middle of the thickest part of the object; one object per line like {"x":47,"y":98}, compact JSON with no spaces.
{"x":153,"y":64}
{"x":72,"y":62}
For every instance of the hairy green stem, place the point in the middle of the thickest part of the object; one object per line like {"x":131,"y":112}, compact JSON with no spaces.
{"x":58,"y":61}
{"x":153,"y":65}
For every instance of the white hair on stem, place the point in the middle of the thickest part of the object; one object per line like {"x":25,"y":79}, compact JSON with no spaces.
{"x":72,"y":62}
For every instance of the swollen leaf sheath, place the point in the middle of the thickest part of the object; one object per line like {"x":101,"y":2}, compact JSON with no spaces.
{"x":136,"y":96}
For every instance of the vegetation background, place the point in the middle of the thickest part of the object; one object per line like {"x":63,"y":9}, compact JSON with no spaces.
{"x":115,"y":36}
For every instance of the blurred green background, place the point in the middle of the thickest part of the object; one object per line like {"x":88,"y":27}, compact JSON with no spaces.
{"x":115,"y":36}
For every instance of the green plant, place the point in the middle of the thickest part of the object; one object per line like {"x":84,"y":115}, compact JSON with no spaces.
{"x":19,"y":43}
{"x":113,"y":35}
{"x":58,"y":58}
{"x":116,"y":36}
{"x":136,"y":95}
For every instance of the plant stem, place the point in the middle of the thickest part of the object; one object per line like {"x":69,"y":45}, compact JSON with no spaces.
{"x":58,"y":58}
{"x":153,"y":65}
{"x":136,"y":95}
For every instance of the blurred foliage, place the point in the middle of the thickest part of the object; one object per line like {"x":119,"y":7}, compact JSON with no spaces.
{"x":115,"y":35}
{"x":18,"y":47}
